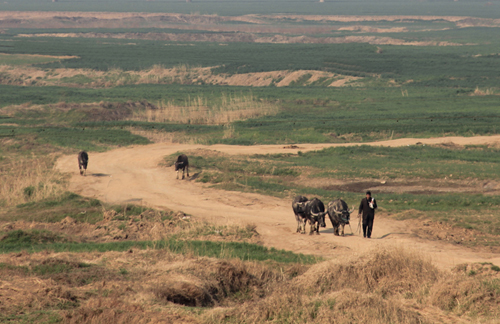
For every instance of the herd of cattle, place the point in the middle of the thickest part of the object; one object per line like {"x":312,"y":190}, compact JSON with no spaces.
{"x":312,"y":211}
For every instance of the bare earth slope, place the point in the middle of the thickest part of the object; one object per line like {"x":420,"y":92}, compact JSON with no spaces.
{"x":132,"y":175}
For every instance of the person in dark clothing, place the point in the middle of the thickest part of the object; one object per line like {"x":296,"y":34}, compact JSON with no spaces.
{"x":367,"y":211}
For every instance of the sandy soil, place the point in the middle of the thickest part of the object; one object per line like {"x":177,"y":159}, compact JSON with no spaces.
{"x":132,"y":175}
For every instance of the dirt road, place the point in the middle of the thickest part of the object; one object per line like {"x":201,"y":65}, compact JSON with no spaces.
{"x":132,"y":175}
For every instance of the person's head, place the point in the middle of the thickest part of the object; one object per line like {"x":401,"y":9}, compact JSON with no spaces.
{"x":368,"y":195}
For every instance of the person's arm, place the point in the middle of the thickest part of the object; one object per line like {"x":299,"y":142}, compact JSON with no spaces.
{"x":374,"y":203}
{"x":360,"y":207}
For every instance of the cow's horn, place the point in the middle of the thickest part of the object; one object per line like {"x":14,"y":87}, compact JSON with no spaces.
{"x":350,"y":211}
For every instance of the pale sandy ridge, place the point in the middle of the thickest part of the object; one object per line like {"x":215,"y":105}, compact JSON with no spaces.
{"x":132,"y":174}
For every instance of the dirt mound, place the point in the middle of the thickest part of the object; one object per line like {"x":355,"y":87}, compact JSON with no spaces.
{"x":216,"y":282}
{"x":387,"y":272}
{"x":390,"y":286}
{"x":473,"y":289}
{"x":343,"y":307}
{"x":114,"y":310}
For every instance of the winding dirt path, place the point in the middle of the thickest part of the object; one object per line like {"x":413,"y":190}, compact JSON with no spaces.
{"x":132,"y":174}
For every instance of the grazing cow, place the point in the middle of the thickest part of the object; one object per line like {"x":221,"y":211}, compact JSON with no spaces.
{"x":83,"y":160}
{"x":181,"y":164}
{"x":315,"y":213}
{"x":299,"y":208}
{"x":339,"y":215}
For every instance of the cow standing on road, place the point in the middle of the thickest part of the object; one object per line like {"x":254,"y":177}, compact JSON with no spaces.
{"x":339,"y":215}
{"x":182,"y":163}
{"x":83,"y":160}
{"x":299,"y":208}
{"x":315,"y":213}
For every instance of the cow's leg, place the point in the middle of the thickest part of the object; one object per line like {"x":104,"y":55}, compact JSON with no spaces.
{"x":317,"y":228}
{"x":177,"y":174}
{"x":303,"y":223}
{"x":336,"y":230}
{"x":311,"y":229}
{"x":187,"y":170}
{"x":183,"y":173}
{"x":342,"y":226}
{"x":297,"y":218}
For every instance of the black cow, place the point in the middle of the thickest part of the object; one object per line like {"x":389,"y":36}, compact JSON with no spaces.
{"x":315,"y":213}
{"x":181,"y":164}
{"x":299,"y":208}
{"x":339,"y":214}
{"x":83,"y":160}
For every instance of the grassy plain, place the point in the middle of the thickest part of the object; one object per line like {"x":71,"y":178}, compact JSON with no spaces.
{"x":73,"y":259}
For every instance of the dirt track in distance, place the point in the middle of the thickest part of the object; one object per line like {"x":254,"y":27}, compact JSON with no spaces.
{"x":132,"y":175}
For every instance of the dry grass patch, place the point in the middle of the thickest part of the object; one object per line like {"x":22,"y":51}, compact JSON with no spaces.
{"x":163,"y":137}
{"x":473,"y":290}
{"x":346,"y":306}
{"x":386,"y":272}
{"x":386,"y":286}
{"x":486,"y":92}
{"x":92,"y":222}
{"x":198,"y":111}
{"x":25,"y":179}
{"x":370,"y":289}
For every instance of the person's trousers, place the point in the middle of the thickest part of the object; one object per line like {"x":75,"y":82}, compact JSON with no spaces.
{"x":367,"y":226}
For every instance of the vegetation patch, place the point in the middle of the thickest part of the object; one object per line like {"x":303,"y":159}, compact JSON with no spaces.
{"x":33,"y":237}
{"x":243,"y":251}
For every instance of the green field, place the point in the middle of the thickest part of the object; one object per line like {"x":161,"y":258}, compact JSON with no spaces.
{"x":398,"y":91}
{"x":307,"y":114}
{"x":470,"y":65}
{"x":239,"y":73}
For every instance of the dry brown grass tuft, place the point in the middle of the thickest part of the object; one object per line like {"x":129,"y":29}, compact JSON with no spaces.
{"x":474,"y":289}
{"x":26,"y":179}
{"x":113,"y":310}
{"x":345,"y":306}
{"x":479,"y":92}
{"x":386,"y":272}
{"x":198,"y":111}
